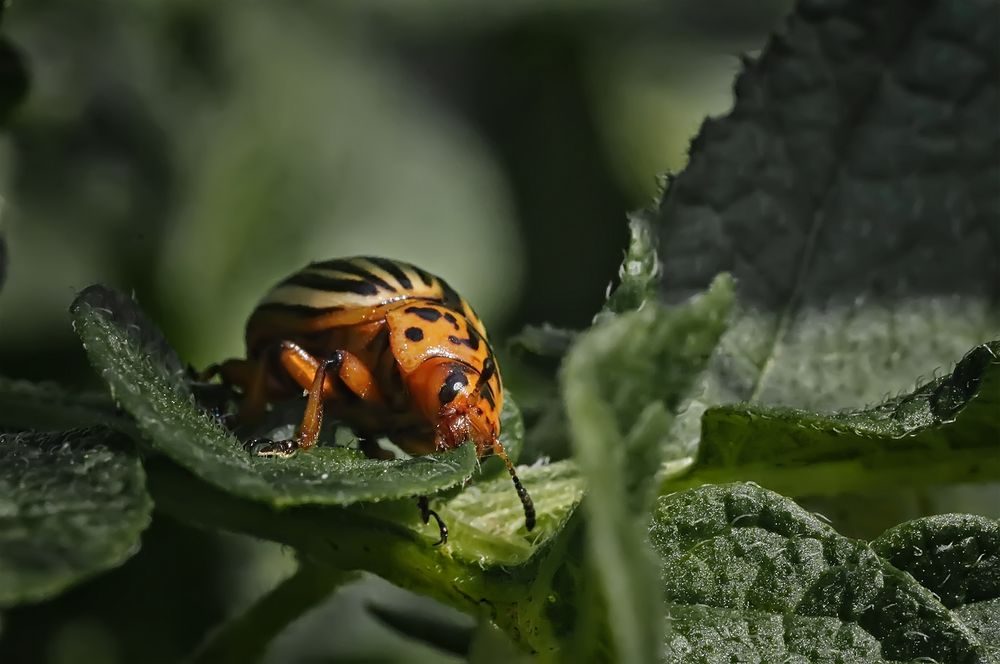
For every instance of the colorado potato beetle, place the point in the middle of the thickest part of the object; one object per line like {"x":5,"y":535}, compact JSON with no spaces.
{"x":390,"y":349}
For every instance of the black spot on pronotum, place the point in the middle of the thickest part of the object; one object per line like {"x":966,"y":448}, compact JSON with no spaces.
{"x":473,"y":338}
{"x":427,"y":313}
{"x":451,"y":319}
{"x":414,"y":334}
{"x":472,"y":342}
{"x":453,"y":384}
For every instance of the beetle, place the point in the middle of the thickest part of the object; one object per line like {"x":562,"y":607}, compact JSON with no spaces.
{"x":388,"y":348}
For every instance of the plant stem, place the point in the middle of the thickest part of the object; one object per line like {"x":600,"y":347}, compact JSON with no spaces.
{"x":356,"y":538}
{"x":245,"y":638}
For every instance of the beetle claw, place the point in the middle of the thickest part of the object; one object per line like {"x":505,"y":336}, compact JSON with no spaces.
{"x":426,"y":513}
{"x":265,"y":447}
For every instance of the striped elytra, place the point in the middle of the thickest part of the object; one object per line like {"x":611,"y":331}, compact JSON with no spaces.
{"x":388,"y":348}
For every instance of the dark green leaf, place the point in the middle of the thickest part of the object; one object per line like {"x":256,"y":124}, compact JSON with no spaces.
{"x":49,"y":407}
{"x":956,"y":556}
{"x":750,"y":576}
{"x":947,"y":430}
{"x":147,"y":381}
{"x":72,"y":504}
{"x":542,"y":341}
{"x":622,"y":382}
{"x":852,"y":194}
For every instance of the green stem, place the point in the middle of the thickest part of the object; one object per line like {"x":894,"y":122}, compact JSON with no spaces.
{"x":245,"y":638}
{"x":357,"y":538}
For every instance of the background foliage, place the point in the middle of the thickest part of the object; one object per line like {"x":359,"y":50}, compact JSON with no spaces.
{"x":193,"y":154}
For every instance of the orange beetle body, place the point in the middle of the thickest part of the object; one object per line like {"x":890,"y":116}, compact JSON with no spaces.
{"x":388,"y":348}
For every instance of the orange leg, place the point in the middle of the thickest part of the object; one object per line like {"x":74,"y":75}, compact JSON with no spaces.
{"x":317,"y":377}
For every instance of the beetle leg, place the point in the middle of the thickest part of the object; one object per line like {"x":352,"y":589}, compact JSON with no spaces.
{"x":302,"y":367}
{"x":248,"y":375}
{"x":307,"y":370}
{"x":423,"y":504}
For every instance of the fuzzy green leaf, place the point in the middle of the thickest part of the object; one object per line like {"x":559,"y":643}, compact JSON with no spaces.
{"x":639,"y":274}
{"x":542,"y":341}
{"x":486,"y":519}
{"x":947,"y":430}
{"x":750,"y":576}
{"x":622,"y":382}
{"x":49,"y":407}
{"x":957,"y":557}
{"x":72,"y":504}
{"x":148,"y":382}
{"x":852,"y":194}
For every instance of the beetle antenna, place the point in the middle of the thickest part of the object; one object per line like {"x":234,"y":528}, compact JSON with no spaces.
{"x":522,"y":493}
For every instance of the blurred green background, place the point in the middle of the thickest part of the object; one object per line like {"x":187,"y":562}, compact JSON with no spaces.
{"x":193,"y":153}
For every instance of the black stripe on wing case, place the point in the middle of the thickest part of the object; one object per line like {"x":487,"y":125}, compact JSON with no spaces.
{"x":393,"y":268}
{"x":331,"y":285}
{"x":297,"y":309}
{"x":348,"y":267}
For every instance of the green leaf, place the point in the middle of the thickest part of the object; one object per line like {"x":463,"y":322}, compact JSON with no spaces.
{"x":542,"y":341}
{"x":382,"y":539}
{"x":947,"y":430}
{"x":956,"y":556}
{"x":72,"y":504}
{"x":148,"y":382}
{"x":750,"y":576}
{"x":622,"y":382}
{"x":486,"y":520}
{"x":49,"y":407}
{"x":639,"y":274}
{"x":851,"y":192}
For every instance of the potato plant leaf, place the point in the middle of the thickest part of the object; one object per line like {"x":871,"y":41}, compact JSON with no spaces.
{"x":751,"y":576}
{"x":851,"y":192}
{"x":639,"y":274}
{"x":957,"y":557}
{"x":50,"y":407}
{"x":487,"y":521}
{"x":147,"y":380}
{"x":947,"y":430}
{"x":72,"y":504}
{"x":622,"y":383}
